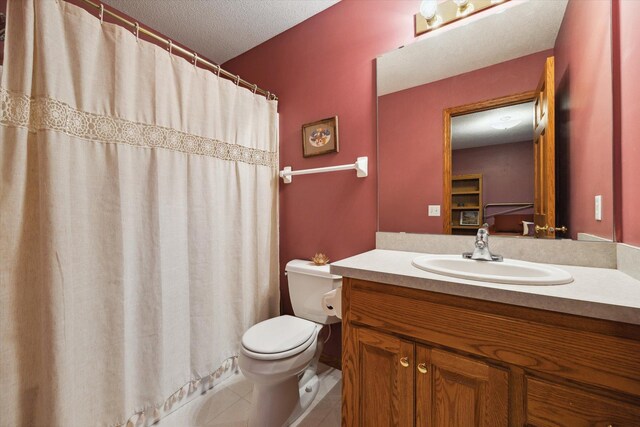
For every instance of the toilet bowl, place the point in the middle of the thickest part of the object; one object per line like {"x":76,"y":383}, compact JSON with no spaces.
{"x":280,"y":355}
{"x":284,"y":381}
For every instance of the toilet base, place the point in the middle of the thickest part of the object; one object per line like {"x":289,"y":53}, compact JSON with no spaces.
{"x":307,"y":393}
{"x":281,"y":404}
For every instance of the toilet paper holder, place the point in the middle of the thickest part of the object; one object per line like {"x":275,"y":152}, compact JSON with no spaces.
{"x":332,"y":302}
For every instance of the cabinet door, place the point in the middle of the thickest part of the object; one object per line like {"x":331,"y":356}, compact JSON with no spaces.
{"x":556,"y":405}
{"x":383,"y":390}
{"x":453,"y":390}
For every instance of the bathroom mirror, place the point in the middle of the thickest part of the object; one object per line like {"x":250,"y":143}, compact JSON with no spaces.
{"x":446,"y":106}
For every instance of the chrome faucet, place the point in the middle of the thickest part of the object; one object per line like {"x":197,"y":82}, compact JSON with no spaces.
{"x":481,"y":252}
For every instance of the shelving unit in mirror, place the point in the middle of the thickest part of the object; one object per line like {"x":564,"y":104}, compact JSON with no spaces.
{"x":466,"y":203}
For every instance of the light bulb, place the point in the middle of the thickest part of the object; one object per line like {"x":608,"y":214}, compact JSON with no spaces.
{"x":428,"y":9}
{"x":465,"y":7}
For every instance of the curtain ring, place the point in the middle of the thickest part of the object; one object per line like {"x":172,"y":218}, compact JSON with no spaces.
{"x":101,"y":15}
{"x":217,"y":70}
{"x":195,"y":59}
{"x":170,"y":46}
{"x":237,"y":80}
{"x":137,"y":31}
{"x":268,"y":95}
{"x":255,"y":88}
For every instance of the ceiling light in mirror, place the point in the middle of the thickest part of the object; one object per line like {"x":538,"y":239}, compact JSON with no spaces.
{"x":495,"y":126}
{"x":506,"y":122}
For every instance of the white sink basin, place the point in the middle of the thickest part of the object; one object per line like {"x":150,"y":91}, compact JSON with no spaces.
{"x":509,"y":271}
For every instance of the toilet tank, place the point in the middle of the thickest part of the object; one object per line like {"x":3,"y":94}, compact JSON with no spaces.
{"x":307,"y":284}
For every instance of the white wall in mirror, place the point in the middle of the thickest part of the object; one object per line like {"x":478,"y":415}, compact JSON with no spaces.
{"x":511,"y":30}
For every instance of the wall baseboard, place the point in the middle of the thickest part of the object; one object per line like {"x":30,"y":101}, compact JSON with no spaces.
{"x":334,"y":362}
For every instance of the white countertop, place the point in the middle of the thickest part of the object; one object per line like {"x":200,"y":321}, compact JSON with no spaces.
{"x":600,"y":293}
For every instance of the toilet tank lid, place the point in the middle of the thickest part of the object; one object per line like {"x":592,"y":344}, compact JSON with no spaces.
{"x":303,"y":266}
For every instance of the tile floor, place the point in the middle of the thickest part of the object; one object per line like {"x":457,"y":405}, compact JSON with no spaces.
{"x":227,"y":405}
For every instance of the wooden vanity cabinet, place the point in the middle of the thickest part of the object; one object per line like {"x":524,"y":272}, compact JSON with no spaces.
{"x":453,"y":390}
{"x":384,"y":383}
{"x":553,"y":405}
{"x":397,"y":382}
{"x":413,"y":357}
{"x":400,"y":383}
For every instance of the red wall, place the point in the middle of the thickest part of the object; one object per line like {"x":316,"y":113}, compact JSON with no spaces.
{"x":629,"y":104}
{"x":320,"y":68}
{"x":584,"y":98}
{"x":323,"y":67}
{"x":507,"y":172}
{"x":410,"y":127}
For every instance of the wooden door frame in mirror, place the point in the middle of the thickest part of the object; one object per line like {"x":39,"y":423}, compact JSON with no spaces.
{"x":448,"y":113}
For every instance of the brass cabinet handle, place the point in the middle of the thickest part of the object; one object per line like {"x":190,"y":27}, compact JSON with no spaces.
{"x":539,"y":229}
{"x":404,"y":361}
{"x":562,"y":229}
{"x":422,"y":368}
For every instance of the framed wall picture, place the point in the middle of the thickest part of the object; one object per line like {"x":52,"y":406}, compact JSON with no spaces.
{"x":320,"y":137}
{"x":469,"y":218}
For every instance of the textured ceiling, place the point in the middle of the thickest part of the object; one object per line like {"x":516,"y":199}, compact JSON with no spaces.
{"x":221,"y":29}
{"x":475,"y":130}
{"x":507,"y":31}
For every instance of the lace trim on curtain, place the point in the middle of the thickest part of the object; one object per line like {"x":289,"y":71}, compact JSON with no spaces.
{"x":43,"y":113}
{"x":150,"y":415}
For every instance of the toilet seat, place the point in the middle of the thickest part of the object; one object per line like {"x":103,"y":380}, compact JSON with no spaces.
{"x":279,"y":337}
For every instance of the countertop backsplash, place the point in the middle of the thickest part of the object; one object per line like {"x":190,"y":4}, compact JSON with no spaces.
{"x":565,"y":252}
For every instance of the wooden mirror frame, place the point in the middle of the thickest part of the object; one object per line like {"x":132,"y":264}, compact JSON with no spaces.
{"x":459,"y":111}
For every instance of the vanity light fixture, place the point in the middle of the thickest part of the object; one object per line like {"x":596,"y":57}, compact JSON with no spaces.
{"x":433,"y":15}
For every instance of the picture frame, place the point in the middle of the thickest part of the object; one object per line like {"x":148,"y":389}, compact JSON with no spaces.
{"x":469,"y":218}
{"x":320,"y":137}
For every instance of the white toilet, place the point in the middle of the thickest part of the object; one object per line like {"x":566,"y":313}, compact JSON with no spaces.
{"x":280,"y":355}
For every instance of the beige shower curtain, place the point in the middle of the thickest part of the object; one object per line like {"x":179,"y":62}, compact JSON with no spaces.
{"x":138,"y":221}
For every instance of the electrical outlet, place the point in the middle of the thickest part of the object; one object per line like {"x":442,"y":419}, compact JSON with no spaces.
{"x":598,"y":208}
{"x":434,"y":210}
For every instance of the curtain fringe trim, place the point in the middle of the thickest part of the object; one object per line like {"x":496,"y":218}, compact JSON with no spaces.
{"x":151,"y":414}
{"x":43,"y":114}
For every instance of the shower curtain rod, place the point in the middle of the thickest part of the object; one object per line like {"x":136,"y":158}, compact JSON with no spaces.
{"x":170,"y":46}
